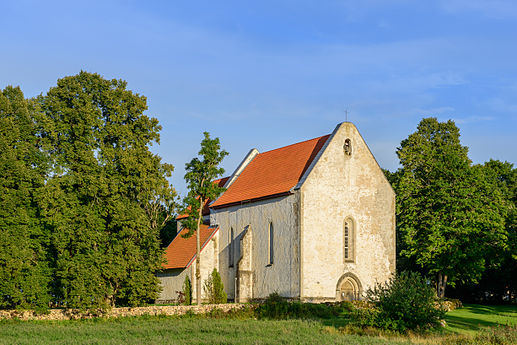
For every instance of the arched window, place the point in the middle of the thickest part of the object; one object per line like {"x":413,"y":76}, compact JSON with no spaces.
{"x":349,"y":240}
{"x":230,"y":248}
{"x":270,"y":251}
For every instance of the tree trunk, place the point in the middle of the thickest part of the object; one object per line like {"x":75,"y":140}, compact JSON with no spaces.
{"x":198,"y":254}
{"x":441,"y":283}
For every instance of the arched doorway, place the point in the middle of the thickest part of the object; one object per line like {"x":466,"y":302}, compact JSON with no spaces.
{"x":348,"y":288}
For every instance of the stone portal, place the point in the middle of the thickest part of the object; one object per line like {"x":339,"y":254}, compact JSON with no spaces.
{"x":348,"y":288}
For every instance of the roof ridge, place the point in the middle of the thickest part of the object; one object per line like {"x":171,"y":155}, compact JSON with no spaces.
{"x":300,"y":142}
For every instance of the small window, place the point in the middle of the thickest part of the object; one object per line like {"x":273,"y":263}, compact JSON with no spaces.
{"x":348,"y":240}
{"x":270,"y":244}
{"x":230,"y":248}
{"x":348,"y":147}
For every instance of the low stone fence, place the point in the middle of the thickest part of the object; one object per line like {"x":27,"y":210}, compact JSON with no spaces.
{"x":74,"y":314}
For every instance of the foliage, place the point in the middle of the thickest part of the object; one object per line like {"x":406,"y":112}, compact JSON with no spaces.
{"x":24,"y":270}
{"x":278,"y":308}
{"x":187,"y":291}
{"x":499,"y":282}
{"x":83,"y":200}
{"x":199,"y":176}
{"x":214,"y":288}
{"x":106,"y":196}
{"x":167,"y":232}
{"x":405,"y":302}
{"x":502,"y":335}
{"x":449,"y":218}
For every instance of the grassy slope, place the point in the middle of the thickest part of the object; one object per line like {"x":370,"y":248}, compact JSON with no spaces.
{"x":472,"y":318}
{"x":161,"y":330}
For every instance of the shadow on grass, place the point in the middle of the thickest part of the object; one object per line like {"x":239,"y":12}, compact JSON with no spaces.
{"x":492,"y":309}
{"x":468,"y":323}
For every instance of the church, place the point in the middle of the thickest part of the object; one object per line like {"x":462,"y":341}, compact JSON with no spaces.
{"x":313,"y":221}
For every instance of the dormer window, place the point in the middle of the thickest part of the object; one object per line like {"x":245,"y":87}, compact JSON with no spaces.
{"x":347,"y":147}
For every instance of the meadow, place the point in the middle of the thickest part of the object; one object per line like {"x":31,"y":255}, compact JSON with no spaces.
{"x":487,"y":323}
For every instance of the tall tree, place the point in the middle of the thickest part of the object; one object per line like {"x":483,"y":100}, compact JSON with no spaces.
{"x":500,"y":279}
{"x":200,"y":173}
{"x":447,"y":215}
{"x":107,"y":195}
{"x":24,"y":272}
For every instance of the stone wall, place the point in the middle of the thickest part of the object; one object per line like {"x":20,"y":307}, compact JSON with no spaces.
{"x":171,"y":281}
{"x":338,"y":187}
{"x":283,"y":275}
{"x":209,"y":260}
{"x":71,"y":314}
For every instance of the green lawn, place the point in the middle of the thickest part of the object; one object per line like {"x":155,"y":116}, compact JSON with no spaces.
{"x":473,"y":317}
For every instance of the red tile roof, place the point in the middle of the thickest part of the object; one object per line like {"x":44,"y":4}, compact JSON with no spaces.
{"x":181,"y":252}
{"x":272,"y":173}
{"x":206,"y":210}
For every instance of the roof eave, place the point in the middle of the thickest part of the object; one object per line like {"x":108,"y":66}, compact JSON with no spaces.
{"x":247,"y":201}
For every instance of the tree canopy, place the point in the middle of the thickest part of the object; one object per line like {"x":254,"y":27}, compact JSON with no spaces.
{"x":85,"y":197}
{"x":24,"y":270}
{"x":448,"y":213}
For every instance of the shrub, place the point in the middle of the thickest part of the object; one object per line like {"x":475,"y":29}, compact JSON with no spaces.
{"x":405,"y":302}
{"x":214,"y":288}
{"x":274,"y":307}
{"x":187,"y":291}
{"x":277,"y":307}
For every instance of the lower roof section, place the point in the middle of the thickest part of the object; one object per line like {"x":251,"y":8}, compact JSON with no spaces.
{"x":181,"y":252}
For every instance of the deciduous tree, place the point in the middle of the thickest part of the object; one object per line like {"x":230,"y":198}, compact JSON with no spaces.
{"x":200,"y":173}
{"x":448,"y":216}
{"x":24,"y":272}
{"x":107,"y":195}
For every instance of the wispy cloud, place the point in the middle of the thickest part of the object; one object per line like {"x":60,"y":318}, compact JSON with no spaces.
{"x":473,"y":119}
{"x":489,"y":8}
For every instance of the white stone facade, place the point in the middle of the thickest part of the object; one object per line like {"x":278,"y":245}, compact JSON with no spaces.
{"x":341,"y":187}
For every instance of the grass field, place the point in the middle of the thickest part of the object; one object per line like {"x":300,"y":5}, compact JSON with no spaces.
{"x":473,"y":317}
{"x":200,"y":330}
{"x":162,"y":330}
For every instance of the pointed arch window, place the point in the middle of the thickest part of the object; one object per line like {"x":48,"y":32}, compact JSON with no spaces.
{"x":349,"y":240}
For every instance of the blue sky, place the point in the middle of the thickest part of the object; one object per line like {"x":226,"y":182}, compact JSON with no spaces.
{"x":266,"y":74}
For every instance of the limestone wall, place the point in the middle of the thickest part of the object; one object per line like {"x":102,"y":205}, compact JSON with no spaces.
{"x":69,"y":314}
{"x":172,"y":281}
{"x":209,"y":260}
{"x":283,"y":275}
{"x":341,"y":186}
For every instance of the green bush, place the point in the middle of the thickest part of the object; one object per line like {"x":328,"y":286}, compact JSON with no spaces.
{"x":277,"y":307}
{"x":214,"y":288}
{"x":187,"y":291}
{"x":405,"y":302}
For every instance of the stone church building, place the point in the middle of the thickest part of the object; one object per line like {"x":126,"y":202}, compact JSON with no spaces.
{"x":313,"y":221}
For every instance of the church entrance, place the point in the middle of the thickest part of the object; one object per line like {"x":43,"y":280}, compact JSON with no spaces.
{"x":348,"y":288}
